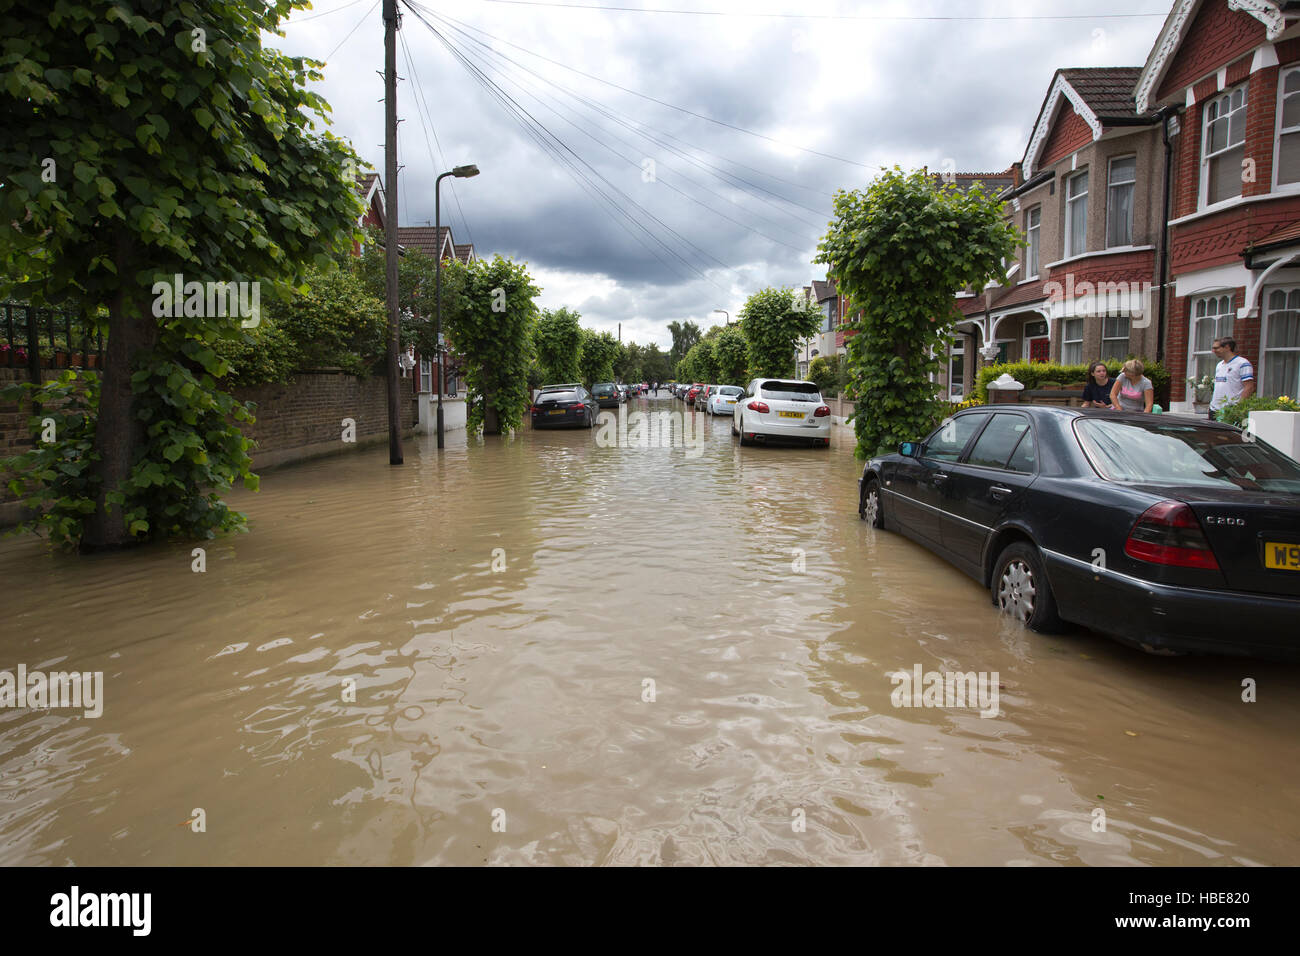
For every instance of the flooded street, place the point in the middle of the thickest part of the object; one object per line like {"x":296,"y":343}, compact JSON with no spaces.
{"x":675,"y":660}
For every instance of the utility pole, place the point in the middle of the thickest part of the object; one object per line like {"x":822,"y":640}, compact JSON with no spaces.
{"x":390,"y":228}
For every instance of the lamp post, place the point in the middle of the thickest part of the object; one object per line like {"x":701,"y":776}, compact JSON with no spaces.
{"x":726,"y":313}
{"x":460,"y":172}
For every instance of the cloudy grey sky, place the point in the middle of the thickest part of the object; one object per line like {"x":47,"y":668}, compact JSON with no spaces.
{"x":712,"y":213}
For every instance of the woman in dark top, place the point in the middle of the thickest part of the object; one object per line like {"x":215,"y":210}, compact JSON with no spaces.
{"x":1096,"y":394}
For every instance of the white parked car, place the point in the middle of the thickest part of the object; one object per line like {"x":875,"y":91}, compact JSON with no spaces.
{"x":722,"y":399}
{"x":781,"y":408}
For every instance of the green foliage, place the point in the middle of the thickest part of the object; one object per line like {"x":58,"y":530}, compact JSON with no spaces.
{"x":54,"y":479}
{"x":685,"y":335}
{"x":825,"y":373}
{"x":169,"y":156}
{"x":193,"y":451}
{"x":417,"y":290}
{"x":731,"y":357}
{"x":599,"y":349}
{"x":642,"y":363}
{"x":1236,"y":413}
{"x":557,"y":339}
{"x":900,"y":251}
{"x":336,"y":323}
{"x":490,"y":321}
{"x":698,"y":365}
{"x":1034,"y":374}
{"x":772,"y":321}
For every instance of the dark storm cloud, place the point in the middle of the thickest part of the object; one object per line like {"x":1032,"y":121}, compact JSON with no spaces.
{"x":879,"y":93}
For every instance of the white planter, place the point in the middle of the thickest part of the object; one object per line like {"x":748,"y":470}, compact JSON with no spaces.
{"x":1279,"y":429}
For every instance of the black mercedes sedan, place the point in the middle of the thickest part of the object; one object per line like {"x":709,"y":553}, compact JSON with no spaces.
{"x":1169,"y":533}
{"x":563,"y":406}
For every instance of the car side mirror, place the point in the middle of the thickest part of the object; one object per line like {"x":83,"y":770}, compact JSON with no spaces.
{"x":910,"y":449}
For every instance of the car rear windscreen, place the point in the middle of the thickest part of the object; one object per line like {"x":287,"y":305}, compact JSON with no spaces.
{"x":792,"y":391}
{"x":731,"y":390}
{"x":1184,"y":453}
{"x":548,"y":397}
{"x":603,"y":390}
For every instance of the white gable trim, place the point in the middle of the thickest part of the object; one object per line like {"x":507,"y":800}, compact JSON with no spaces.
{"x":1060,"y":87}
{"x":1172,"y":35}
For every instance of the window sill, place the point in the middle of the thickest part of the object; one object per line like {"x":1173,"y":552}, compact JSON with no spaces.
{"x":1232,"y":203}
{"x":1111,"y":251}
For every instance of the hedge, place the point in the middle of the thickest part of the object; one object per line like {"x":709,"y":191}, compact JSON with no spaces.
{"x":1030,"y":374}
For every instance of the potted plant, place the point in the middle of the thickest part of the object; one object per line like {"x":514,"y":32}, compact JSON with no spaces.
{"x":1273,"y":420}
{"x":92,"y":360}
{"x":60,"y":358}
{"x":1202,"y":391}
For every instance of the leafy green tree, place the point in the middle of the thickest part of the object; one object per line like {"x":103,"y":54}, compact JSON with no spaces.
{"x":599,"y":349}
{"x":558,"y":339}
{"x":655,"y":366}
{"x":489,"y":320}
{"x":685,"y":335}
{"x":900,"y":252}
{"x":698,"y":365}
{"x":823,"y":373}
{"x":773,"y":320}
{"x":731,"y":356}
{"x":144,"y":140}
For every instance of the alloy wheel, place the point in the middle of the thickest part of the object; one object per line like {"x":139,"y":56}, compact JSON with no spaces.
{"x":1016,"y":590}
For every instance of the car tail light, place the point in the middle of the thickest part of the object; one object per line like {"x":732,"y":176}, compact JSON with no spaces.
{"x":534,"y":409}
{"x":577,"y":405}
{"x":822,"y":412}
{"x":757,"y":406}
{"x":1168,"y":533}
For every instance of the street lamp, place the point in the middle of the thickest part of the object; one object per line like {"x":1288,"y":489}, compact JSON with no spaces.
{"x":726,"y":313}
{"x":460,"y":172}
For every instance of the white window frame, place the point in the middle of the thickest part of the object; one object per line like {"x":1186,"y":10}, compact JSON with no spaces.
{"x":1266,"y":310}
{"x":1070,"y":204}
{"x":1206,"y":156}
{"x":426,"y":375}
{"x":1034,"y":242}
{"x":1229,"y":315}
{"x":1279,"y":186}
{"x":1126,"y":338}
{"x":1111,"y":186}
{"x":956,"y":390}
{"x":1066,"y":341}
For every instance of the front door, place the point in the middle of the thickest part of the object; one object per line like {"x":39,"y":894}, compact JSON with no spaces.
{"x":1039,"y":349}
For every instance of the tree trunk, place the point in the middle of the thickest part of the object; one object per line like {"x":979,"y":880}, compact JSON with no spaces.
{"x":491,"y":421}
{"x":132,"y":329}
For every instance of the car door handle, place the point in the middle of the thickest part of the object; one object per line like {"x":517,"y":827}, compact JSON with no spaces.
{"x":997,"y":491}
{"x":940,"y":476}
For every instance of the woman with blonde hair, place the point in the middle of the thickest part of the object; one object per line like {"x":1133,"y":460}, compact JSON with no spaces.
{"x":1132,"y":391}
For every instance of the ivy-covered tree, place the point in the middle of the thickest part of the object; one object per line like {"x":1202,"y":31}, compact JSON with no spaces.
{"x":698,"y":365}
{"x":731,"y":356}
{"x":558,"y":339}
{"x":142,"y":140}
{"x":900,"y":252}
{"x":773,"y":320}
{"x":489,"y":319}
{"x":599,"y":349}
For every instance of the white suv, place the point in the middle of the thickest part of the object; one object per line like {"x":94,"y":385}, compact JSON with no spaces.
{"x":782,"y":408}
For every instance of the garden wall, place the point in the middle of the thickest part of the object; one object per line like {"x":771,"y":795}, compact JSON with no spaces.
{"x":294,"y":422}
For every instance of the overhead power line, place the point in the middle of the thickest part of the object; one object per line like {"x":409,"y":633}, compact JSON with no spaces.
{"x":870,"y":17}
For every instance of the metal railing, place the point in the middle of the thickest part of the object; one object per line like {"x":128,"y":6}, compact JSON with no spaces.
{"x":35,"y":338}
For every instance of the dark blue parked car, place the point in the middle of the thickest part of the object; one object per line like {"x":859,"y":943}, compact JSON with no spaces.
{"x":1167,"y":532}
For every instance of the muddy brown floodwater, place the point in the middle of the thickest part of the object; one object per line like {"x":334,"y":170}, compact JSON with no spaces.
{"x":507,"y":715}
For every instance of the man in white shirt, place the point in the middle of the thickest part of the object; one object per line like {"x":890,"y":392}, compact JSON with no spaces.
{"x":1234,"y":376}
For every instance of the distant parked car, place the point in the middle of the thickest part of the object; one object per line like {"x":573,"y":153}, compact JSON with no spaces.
{"x":560,"y":406}
{"x":1166,"y":532}
{"x":782,"y":409}
{"x":605,"y":394}
{"x":693,"y":392}
{"x":722,"y":400}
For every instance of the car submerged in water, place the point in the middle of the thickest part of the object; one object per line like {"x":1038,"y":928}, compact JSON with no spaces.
{"x":563,"y":406}
{"x":1169,"y":533}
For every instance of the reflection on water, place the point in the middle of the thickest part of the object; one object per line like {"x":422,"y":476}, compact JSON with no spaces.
{"x":615,"y":655}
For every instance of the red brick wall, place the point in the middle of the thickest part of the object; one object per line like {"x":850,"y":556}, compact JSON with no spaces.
{"x":1129,"y":267}
{"x":1261,"y":120}
{"x":1215,"y":38}
{"x":1068,"y":133}
{"x":306,"y":413}
{"x":1187,"y":163}
{"x":1219,"y":239}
